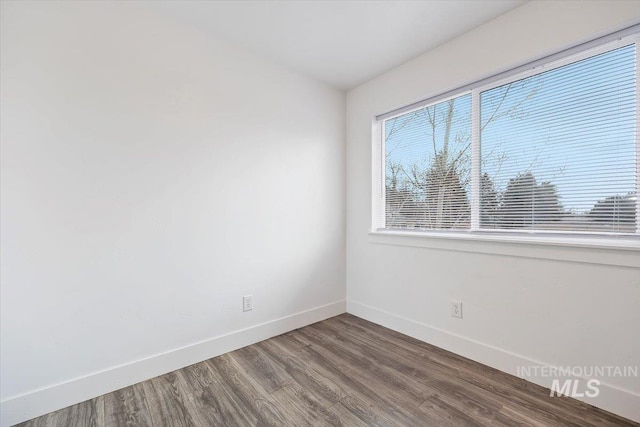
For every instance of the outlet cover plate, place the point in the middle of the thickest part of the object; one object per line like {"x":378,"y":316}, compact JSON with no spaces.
{"x":456,"y":309}
{"x":247,"y":303}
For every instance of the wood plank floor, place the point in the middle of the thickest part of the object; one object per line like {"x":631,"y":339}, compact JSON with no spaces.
{"x":342,"y":371}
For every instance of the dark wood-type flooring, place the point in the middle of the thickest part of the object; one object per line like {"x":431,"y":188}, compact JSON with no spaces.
{"x":342,"y":371}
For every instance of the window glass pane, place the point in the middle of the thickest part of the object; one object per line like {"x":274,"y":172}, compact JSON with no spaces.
{"x":558,"y":148}
{"x":428,"y":167}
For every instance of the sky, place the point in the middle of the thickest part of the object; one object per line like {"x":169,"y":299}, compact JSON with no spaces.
{"x":574,"y":126}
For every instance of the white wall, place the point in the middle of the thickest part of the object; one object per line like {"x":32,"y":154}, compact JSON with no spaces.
{"x":151,"y":177}
{"x":522,"y":305}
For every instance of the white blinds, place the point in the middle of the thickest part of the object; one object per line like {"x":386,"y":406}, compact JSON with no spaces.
{"x":428,"y":166}
{"x":559,"y":148}
{"x":557,"y":151}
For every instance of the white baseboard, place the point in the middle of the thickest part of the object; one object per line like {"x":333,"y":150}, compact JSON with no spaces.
{"x":611,"y":398}
{"x":39,"y":402}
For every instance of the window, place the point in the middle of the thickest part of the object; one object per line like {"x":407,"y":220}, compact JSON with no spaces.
{"x":549,"y":150}
{"x":428,"y":166}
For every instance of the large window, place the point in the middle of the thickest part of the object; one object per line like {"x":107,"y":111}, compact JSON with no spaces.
{"x":549,"y":150}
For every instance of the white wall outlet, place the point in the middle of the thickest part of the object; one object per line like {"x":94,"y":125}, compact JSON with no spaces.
{"x":456,"y":309}
{"x":247,"y":303}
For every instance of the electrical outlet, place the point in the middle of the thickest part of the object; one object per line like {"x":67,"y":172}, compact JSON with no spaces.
{"x":456,"y":309}
{"x":247,"y":303}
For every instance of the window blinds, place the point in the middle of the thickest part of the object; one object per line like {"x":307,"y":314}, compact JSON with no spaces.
{"x":428,"y":166}
{"x":556,"y":151}
{"x":559,"y":148}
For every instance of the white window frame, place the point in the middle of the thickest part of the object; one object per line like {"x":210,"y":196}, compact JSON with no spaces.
{"x":476,"y":233}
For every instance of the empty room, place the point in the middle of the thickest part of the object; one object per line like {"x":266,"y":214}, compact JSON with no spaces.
{"x":313,"y":213}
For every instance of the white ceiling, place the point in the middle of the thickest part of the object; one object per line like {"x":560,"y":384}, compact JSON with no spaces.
{"x":343,"y":43}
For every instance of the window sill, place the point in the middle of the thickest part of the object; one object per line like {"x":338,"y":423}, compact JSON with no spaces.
{"x":622,"y":252}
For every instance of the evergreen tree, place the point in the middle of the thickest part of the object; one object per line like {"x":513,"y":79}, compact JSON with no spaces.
{"x":526,"y":203}
{"x":489,"y":202}
{"x":617,"y":213}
